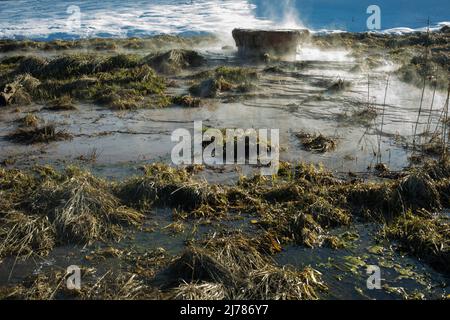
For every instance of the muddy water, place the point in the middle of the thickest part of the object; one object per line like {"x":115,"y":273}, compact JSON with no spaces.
{"x":345,"y":271}
{"x":293,"y":99}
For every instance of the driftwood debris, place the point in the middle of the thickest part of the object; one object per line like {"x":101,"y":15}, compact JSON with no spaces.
{"x":7,"y":94}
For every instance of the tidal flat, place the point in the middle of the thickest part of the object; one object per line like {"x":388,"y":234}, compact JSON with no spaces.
{"x":87,"y":179}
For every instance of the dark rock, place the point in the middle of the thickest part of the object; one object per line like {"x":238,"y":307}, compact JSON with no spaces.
{"x":445,"y":29}
{"x":278,"y":43}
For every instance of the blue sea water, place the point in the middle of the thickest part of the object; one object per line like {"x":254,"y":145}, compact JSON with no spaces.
{"x":67,"y":19}
{"x":351,"y":15}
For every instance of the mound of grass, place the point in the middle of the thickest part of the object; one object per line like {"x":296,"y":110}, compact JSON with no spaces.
{"x":284,"y":193}
{"x":418,"y":191}
{"x":81,"y":208}
{"x":210,"y":88}
{"x":121,"y":81}
{"x":198,"y":291}
{"x":363,"y":116}
{"x":120,"y":61}
{"x":187,"y":101}
{"x":175,"y":60}
{"x":16,"y":186}
{"x":236,"y":74}
{"x":32,"y":65}
{"x":423,"y":236}
{"x":130,"y":89}
{"x":44,"y":134}
{"x":231,"y":267}
{"x":67,"y":67}
{"x":24,"y":235}
{"x":44,"y":206}
{"x":163,"y":185}
{"x":108,"y":286}
{"x":316,"y":143}
{"x":64,"y":103}
{"x":223,"y":79}
{"x":304,"y":229}
{"x":30,"y":120}
{"x":375,"y":200}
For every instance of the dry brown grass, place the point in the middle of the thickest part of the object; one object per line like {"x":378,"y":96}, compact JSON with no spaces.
{"x":30,"y":120}
{"x":24,"y":235}
{"x":316,"y":143}
{"x":108,"y":286}
{"x":82,"y":208}
{"x":64,"y":103}
{"x":231,"y":267}
{"x":44,"y":134}
{"x":165,"y":186}
{"x":198,"y":291}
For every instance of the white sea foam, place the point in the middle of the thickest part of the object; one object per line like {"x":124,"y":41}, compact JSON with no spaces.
{"x":48,"y":19}
{"x":113,"y":18}
{"x":403,"y":30}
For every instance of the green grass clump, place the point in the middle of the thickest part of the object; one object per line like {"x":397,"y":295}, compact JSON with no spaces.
{"x":187,"y":101}
{"x":162,"y":185}
{"x":122,"y":81}
{"x":236,"y":74}
{"x":223,"y":79}
{"x":175,"y":60}
{"x":35,"y":134}
{"x":63,"y":103}
{"x":424,"y":236}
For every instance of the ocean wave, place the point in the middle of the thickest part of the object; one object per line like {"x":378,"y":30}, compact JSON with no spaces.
{"x":49,"y":20}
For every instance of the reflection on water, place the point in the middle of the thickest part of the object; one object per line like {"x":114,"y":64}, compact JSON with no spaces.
{"x":293,"y":101}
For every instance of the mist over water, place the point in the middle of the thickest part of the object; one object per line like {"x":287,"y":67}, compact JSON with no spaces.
{"x":48,"y":19}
